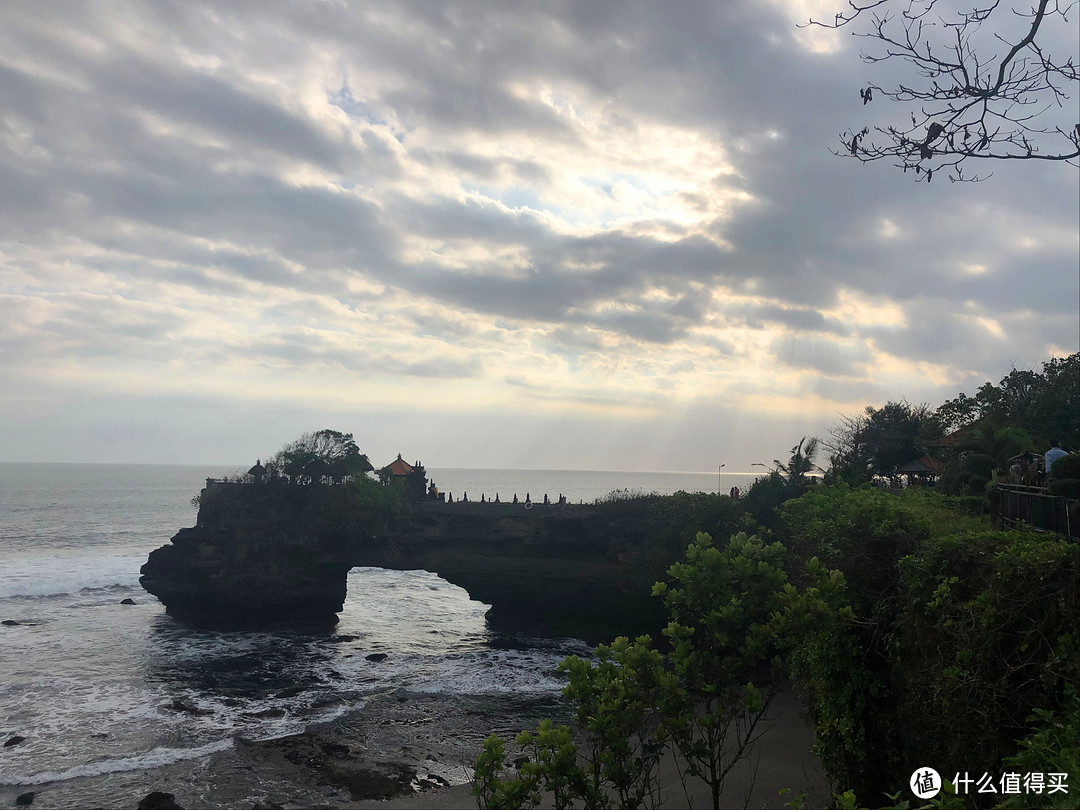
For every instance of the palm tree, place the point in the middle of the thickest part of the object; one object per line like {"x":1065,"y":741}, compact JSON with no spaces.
{"x":800,"y":464}
{"x":988,"y":447}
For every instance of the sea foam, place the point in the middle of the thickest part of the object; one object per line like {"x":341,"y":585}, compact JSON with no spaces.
{"x":68,"y":573}
{"x":151,"y":759}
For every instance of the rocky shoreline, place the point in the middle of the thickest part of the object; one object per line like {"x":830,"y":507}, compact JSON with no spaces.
{"x":407,"y":750}
{"x":400,"y":745}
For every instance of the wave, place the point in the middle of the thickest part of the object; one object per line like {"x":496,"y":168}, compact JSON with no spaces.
{"x":152,"y":759}
{"x":69,"y":574}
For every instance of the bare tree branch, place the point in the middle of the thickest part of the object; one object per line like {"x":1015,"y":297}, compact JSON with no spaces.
{"x":969,"y":102}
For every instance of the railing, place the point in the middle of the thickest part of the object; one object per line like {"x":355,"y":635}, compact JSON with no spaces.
{"x":1032,"y":506}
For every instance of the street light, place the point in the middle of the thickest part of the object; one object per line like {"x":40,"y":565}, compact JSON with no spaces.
{"x":720,"y":479}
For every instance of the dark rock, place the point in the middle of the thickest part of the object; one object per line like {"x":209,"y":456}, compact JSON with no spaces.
{"x":159,"y":801}
{"x":266,"y":805}
{"x":15,"y":739}
{"x":258,"y":556}
{"x":9,"y":623}
{"x":280,"y":554}
{"x":342,"y":639}
{"x":292,"y":691}
{"x":180,"y":706}
{"x":25,"y":799}
{"x":377,"y":657}
{"x":127,"y":601}
{"x":266,"y":713}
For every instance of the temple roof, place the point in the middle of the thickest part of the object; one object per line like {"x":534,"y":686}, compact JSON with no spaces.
{"x":398,"y":467}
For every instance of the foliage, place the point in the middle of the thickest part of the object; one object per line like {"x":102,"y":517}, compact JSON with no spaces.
{"x":766,"y":495}
{"x":723,"y":603}
{"x":707,"y":701}
{"x":326,"y":456}
{"x":626,"y":494}
{"x":786,"y":480}
{"x":681,"y":516}
{"x":879,"y":441}
{"x":622,"y":703}
{"x":920,"y":635}
{"x":898,"y":433}
{"x":800,"y":464}
{"x":1052,"y":747}
{"x":1046,"y":404}
{"x":862,"y":532}
{"x":989,"y":635}
{"x":970,"y":98}
{"x":839,"y":674}
{"x":416,"y":483}
{"x":843,"y":657}
{"x":985,"y":449}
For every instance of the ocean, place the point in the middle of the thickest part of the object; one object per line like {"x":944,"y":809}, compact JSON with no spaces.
{"x":98,"y":688}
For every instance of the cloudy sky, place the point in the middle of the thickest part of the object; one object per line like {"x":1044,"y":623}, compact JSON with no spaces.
{"x":557,"y":235}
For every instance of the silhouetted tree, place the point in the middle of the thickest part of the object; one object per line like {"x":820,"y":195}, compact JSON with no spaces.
{"x":1046,"y":404}
{"x":986,"y":83}
{"x":326,"y":455}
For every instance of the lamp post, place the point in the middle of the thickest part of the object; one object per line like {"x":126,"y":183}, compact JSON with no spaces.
{"x":720,"y":479}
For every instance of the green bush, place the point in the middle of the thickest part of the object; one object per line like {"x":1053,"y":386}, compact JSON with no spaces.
{"x":861,"y":532}
{"x":987,"y":639}
{"x":931,"y":639}
{"x":1066,"y":467}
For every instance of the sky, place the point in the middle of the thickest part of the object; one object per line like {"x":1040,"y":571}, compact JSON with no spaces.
{"x":541,"y":236}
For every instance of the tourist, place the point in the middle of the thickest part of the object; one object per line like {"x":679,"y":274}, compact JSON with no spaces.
{"x":1053,"y":454}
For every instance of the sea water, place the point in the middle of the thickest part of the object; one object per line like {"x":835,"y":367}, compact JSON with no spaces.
{"x":98,"y":687}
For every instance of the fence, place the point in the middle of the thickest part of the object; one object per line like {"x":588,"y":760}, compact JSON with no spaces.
{"x":1034,"y":507}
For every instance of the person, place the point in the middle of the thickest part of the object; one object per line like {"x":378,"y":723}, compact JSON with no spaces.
{"x":1053,"y":454}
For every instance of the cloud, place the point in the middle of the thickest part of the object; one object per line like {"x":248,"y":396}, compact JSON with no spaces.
{"x":623,"y":206}
{"x":829,"y":357}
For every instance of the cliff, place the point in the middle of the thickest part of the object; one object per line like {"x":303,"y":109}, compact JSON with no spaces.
{"x":578,"y":571}
{"x":268,"y":553}
{"x":273,"y":552}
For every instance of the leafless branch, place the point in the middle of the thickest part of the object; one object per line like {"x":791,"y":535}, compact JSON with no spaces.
{"x":970,"y":103}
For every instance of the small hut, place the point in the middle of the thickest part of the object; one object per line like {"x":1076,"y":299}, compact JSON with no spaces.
{"x":258,"y":472}
{"x":920,"y":471}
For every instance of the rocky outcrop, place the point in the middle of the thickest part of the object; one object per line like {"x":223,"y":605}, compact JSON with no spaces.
{"x":261,"y":554}
{"x":551,"y":571}
{"x":267,"y":553}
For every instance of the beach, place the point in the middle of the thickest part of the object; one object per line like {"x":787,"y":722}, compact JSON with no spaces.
{"x":416,"y":751}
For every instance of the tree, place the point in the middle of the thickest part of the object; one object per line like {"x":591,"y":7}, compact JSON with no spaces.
{"x":849,"y":459}
{"x":787,"y":480}
{"x":709,"y":700}
{"x":1045,"y":403}
{"x":621,"y":705}
{"x":324,"y":455}
{"x":986,"y":85}
{"x":896,"y":433}
{"x":801,"y":463}
{"x":984,"y":449}
{"x":723,"y":602}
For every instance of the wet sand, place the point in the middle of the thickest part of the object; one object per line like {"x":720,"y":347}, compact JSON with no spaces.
{"x":409,"y":750}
